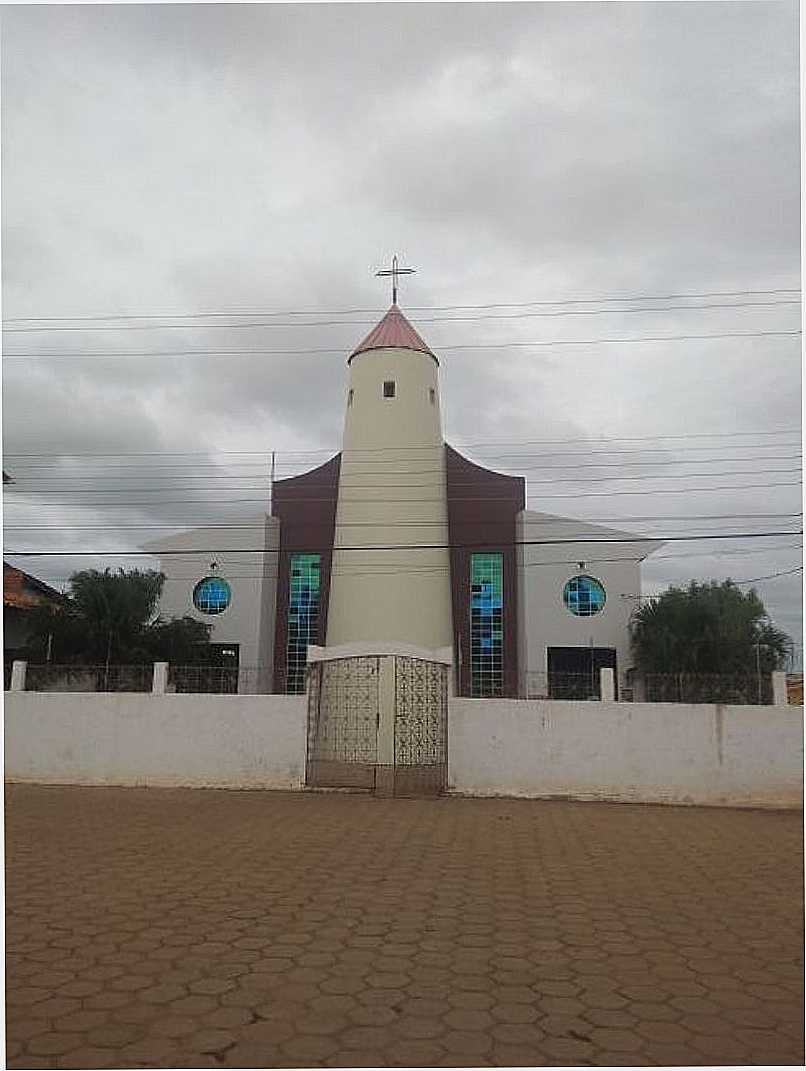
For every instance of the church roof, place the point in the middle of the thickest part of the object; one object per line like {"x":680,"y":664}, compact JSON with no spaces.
{"x":393,"y":332}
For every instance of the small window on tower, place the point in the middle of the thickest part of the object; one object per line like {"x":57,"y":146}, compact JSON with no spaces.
{"x":350,"y":397}
{"x":389,"y":388}
{"x":432,"y":395}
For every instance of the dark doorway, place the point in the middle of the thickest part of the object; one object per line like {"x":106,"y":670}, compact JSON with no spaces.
{"x":574,"y":671}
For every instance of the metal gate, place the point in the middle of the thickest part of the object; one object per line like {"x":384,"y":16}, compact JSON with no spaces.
{"x":421,"y":727}
{"x":372,"y":717}
{"x":343,"y":723}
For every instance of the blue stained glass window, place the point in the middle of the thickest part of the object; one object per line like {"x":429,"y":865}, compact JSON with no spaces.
{"x":212,"y":595}
{"x":486,"y":624}
{"x":584,"y":596}
{"x":303,"y":616}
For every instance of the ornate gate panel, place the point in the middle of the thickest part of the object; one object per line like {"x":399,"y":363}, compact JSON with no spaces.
{"x":343,"y":723}
{"x":421,"y":727}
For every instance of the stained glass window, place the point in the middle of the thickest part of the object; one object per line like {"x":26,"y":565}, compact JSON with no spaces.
{"x":212,"y":595}
{"x":584,"y":596}
{"x":303,"y":616}
{"x":486,"y":624}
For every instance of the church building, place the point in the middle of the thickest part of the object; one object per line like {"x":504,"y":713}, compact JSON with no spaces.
{"x":400,"y":543}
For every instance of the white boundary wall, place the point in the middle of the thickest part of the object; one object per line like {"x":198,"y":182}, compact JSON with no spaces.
{"x":215,"y":741}
{"x":649,"y":752}
{"x":631,"y":752}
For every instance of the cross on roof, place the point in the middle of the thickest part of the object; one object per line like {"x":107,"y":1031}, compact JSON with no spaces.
{"x":395,"y":271}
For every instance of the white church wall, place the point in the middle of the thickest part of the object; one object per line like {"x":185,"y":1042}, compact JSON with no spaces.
{"x":544,"y":569}
{"x":629,"y":752}
{"x":215,"y":741}
{"x":247,"y":559}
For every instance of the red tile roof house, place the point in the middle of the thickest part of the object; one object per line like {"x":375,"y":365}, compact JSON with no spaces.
{"x":22,"y":593}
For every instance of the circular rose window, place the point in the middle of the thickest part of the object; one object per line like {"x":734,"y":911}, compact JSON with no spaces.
{"x":212,"y":595}
{"x":584,"y":596}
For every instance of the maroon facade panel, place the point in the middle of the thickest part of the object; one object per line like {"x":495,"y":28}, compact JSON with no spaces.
{"x":482,"y":506}
{"x":306,"y":508}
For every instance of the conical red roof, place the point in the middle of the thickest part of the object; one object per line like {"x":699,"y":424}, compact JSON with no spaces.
{"x":393,"y":332}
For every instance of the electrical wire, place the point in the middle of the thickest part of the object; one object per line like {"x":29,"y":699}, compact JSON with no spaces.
{"x":381,"y":486}
{"x":229,"y":526}
{"x":348,"y":472}
{"x":544,"y":495}
{"x":771,"y":576}
{"x":443,"y":569}
{"x":489,"y":442}
{"x":250,"y":324}
{"x":340,"y":352}
{"x":409,"y":547}
{"x":419,"y":308}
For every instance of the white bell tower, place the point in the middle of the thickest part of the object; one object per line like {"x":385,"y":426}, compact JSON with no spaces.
{"x":390,"y":577}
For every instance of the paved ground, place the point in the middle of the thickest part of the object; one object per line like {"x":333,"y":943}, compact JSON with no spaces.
{"x":153,"y":928}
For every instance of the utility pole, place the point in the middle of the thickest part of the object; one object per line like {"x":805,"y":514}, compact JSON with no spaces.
{"x":108,"y":656}
{"x":758,"y":671}
{"x":271,"y":485}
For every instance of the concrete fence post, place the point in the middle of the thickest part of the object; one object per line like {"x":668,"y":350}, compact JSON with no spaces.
{"x":18,"y":671}
{"x":159,"y":681}
{"x":779,"y":696}
{"x":607,"y":685}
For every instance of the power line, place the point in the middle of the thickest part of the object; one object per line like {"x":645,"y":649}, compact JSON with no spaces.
{"x":259,"y":527}
{"x":340,"y":352}
{"x":419,"y":320}
{"x":419,"y":308}
{"x":461,"y":484}
{"x":544,"y":495}
{"x":399,"y":547}
{"x":770,"y":576}
{"x":373,"y":499}
{"x":489,"y":442}
{"x":377,"y":499}
{"x":181,"y":467}
{"x":544,"y":522}
{"x":443,"y":569}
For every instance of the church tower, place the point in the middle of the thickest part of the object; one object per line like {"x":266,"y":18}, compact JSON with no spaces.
{"x":392,"y":494}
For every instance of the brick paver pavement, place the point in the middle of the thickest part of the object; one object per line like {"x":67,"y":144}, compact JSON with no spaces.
{"x":157,"y":928}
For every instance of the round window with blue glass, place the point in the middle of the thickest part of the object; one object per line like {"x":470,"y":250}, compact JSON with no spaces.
{"x":584,"y":596}
{"x":212,"y":595}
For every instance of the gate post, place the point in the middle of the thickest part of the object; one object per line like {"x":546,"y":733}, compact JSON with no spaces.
{"x":159,"y":680}
{"x":385,"y":762}
{"x":779,"y":696}
{"x":607,"y":685}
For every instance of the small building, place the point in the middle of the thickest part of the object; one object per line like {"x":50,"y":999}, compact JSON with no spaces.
{"x":22,"y":593}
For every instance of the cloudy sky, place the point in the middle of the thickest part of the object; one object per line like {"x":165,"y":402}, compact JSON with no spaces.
{"x":559,"y":174}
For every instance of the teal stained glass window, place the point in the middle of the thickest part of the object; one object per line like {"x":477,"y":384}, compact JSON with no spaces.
{"x":486,"y":624}
{"x":212,"y":595}
{"x":584,"y":596}
{"x":303,"y":616}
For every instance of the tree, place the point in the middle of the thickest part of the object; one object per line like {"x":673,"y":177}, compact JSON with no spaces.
{"x":108,"y":618}
{"x":707,"y":629}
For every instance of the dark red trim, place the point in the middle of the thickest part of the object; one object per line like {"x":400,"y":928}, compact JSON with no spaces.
{"x":306,"y":507}
{"x":482,"y":506}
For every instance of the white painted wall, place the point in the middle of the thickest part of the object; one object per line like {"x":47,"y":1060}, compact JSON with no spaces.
{"x":392,"y":492}
{"x":247,"y":559}
{"x":649,"y":752}
{"x":543,"y":570}
{"x":216,"y":741}
{"x":630,"y":752}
